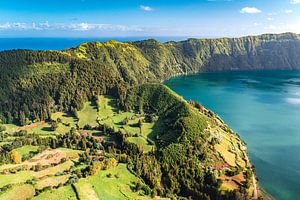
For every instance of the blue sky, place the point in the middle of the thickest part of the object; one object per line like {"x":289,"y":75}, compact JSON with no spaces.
{"x":122,"y":18}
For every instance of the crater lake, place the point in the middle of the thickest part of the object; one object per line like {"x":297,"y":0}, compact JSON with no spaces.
{"x":263,"y":107}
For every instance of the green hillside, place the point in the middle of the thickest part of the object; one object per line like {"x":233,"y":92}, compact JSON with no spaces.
{"x":88,"y":110}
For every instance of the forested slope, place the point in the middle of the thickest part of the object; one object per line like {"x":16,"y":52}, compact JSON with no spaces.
{"x":36,"y":83}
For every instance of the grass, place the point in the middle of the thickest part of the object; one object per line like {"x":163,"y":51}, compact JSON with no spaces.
{"x":141,"y":142}
{"x":228,"y":186}
{"x":23,"y":176}
{"x":88,"y":115}
{"x":71,"y":153}
{"x":10,"y":128}
{"x":19,"y":177}
{"x":42,"y":129}
{"x":147,"y":131}
{"x":51,"y":171}
{"x":25,"y":150}
{"x":86,"y":191}
{"x":62,"y":193}
{"x":19,"y":192}
{"x":110,"y":187}
{"x":228,"y":156}
{"x":108,"y":115}
{"x":107,"y":105}
{"x":64,"y":117}
{"x":51,"y":181}
{"x":8,"y":166}
{"x":67,"y":122}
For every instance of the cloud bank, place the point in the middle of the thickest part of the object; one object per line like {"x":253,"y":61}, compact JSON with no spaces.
{"x":83,"y":26}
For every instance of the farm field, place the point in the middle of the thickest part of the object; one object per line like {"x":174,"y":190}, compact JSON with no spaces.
{"x":79,"y":155}
{"x":110,"y":184}
{"x":48,"y":173}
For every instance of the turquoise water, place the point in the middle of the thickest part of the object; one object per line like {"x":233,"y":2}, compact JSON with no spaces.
{"x":264,"y":108}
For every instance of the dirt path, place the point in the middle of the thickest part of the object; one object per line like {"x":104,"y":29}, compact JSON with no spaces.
{"x":255,"y":196}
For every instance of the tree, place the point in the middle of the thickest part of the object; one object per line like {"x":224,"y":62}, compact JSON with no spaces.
{"x":54,"y":125}
{"x":16,"y":157}
{"x":9,"y":118}
{"x":22,"y":118}
{"x":2,"y":128}
{"x":140,"y":124}
{"x":125,"y":121}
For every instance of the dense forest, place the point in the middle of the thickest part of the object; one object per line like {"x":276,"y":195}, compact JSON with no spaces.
{"x":36,"y":83}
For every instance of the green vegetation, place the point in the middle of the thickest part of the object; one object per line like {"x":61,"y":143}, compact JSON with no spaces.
{"x":35,"y":84}
{"x":19,"y":177}
{"x":62,"y":193}
{"x":150,"y":142}
{"x":19,"y":192}
{"x":93,"y":118}
{"x":113,"y":183}
{"x":26,"y":150}
{"x":88,"y":115}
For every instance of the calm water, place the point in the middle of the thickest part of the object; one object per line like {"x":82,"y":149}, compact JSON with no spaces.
{"x":264,"y":108}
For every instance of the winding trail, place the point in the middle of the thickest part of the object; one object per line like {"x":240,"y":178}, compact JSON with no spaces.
{"x":255,"y":196}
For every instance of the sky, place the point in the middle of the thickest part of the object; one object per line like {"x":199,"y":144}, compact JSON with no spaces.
{"x":130,"y":18}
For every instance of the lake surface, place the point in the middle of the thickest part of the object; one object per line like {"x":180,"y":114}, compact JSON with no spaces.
{"x":264,"y":108}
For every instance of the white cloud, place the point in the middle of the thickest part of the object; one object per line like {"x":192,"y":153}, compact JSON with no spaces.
{"x":270,"y":18}
{"x":288,"y":11}
{"x":250,"y":10}
{"x":283,"y":27}
{"x":146,"y":8}
{"x":83,"y":26}
{"x":295,"y":1}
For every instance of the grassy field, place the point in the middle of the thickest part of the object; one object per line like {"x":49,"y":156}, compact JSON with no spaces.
{"x":141,"y":142}
{"x":19,"y":192}
{"x":51,"y":171}
{"x":23,"y":176}
{"x":64,"y":117}
{"x":71,"y":153}
{"x":51,"y":181}
{"x":19,"y":177}
{"x":25,"y":150}
{"x":11,"y":128}
{"x":62,"y":193}
{"x":100,"y":185}
{"x":88,"y":115}
{"x":117,"y":186}
{"x":226,"y":154}
{"x":107,"y":106}
{"x":108,"y":114}
{"x":40,"y":128}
